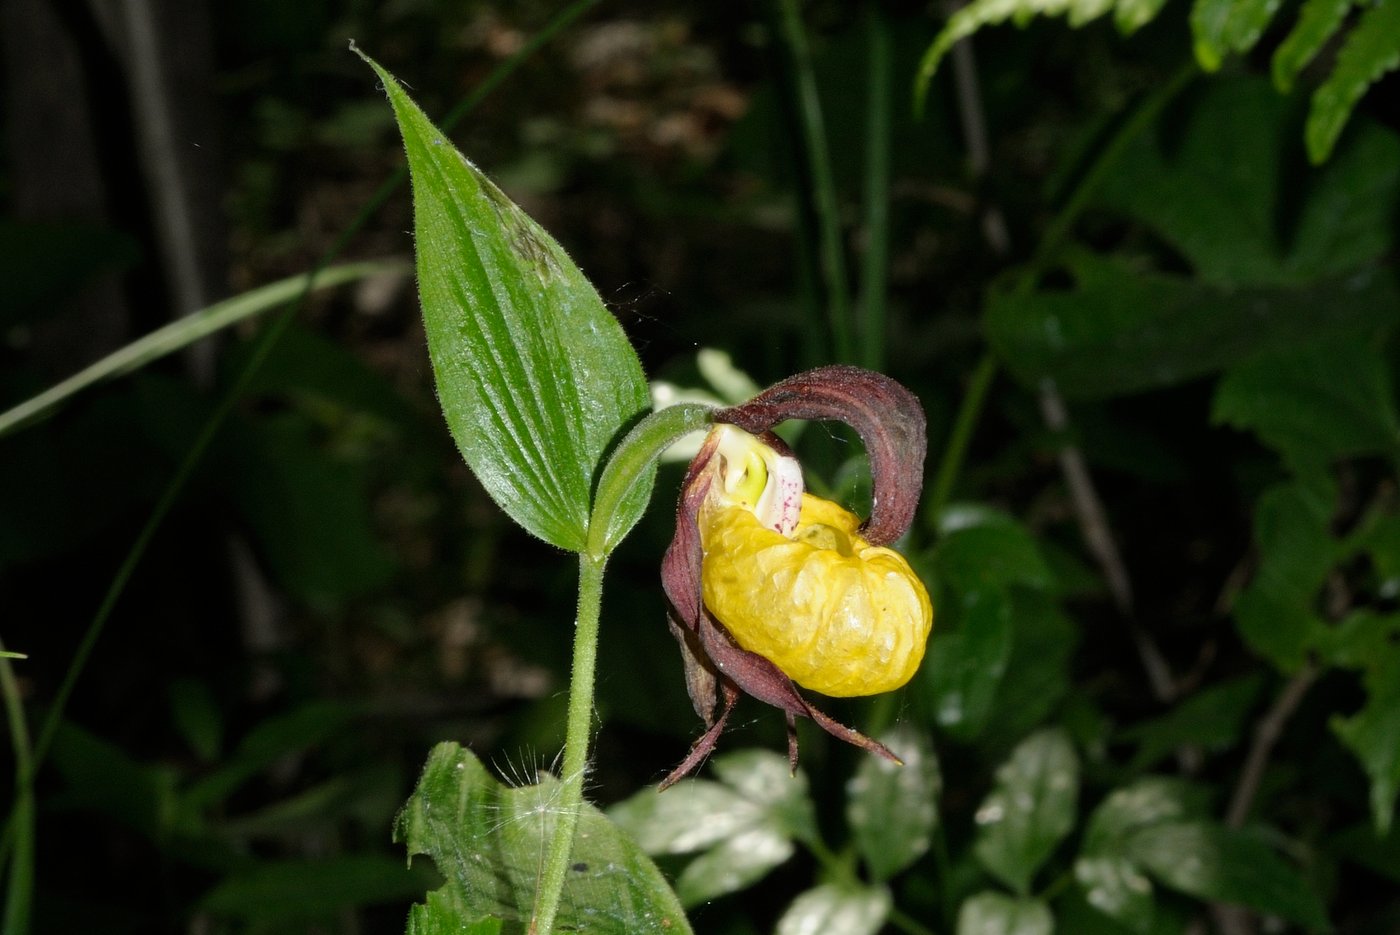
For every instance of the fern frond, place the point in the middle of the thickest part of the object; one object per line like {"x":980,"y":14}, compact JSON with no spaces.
{"x":1371,"y":50}
{"x":1317,"y":21}
{"x":1224,"y":26}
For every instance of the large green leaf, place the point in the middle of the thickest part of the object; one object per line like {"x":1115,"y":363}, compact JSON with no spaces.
{"x":966,"y":665}
{"x":837,"y":910}
{"x":488,"y":840}
{"x":535,"y":377}
{"x":1371,"y":50}
{"x":980,"y":548}
{"x":1213,"y":718}
{"x":1314,"y":405}
{"x":1277,"y":614}
{"x":993,"y":913}
{"x":745,"y":824}
{"x":1209,"y":179}
{"x":1037,"y":672}
{"x":1215,"y":863}
{"x":1370,"y":642}
{"x":1030,"y":809}
{"x":893,"y":809}
{"x":1112,"y":882}
{"x":1123,"y":329}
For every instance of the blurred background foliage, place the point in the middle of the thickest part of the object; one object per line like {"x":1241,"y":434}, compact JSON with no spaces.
{"x":1166,"y":572}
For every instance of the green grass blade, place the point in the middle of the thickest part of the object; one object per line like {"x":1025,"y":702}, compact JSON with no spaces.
{"x":823,"y":192}
{"x":189,"y":329}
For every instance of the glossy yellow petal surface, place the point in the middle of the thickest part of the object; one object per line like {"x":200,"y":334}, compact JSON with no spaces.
{"x":835,"y":613}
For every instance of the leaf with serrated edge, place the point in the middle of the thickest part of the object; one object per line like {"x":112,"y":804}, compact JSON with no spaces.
{"x":488,"y":841}
{"x":1317,"y":21}
{"x":1225,"y":26}
{"x":1371,"y":49}
{"x":1216,"y":863}
{"x":535,"y":377}
{"x":998,"y":914}
{"x":1030,"y":809}
{"x":837,"y":910}
{"x":893,"y":809}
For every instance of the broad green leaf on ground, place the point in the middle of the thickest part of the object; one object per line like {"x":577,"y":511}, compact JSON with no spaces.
{"x":1030,"y":809}
{"x":488,"y":840}
{"x":767,"y":778}
{"x":1037,"y":673}
{"x":1208,"y":179}
{"x":1370,"y":50}
{"x":837,"y":910}
{"x":1122,"y":329}
{"x":1074,"y":915}
{"x":1110,"y":879}
{"x":980,"y":548}
{"x":1221,"y":27}
{"x":1277,"y":613}
{"x":1314,"y":405}
{"x":690,"y":816}
{"x":301,"y":889}
{"x":534,"y":375}
{"x":1115,"y":886}
{"x":1150,"y":800}
{"x":1213,"y":718}
{"x":967,"y":662}
{"x":1215,"y":863}
{"x":1370,"y":642}
{"x":733,"y":864}
{"x":991,"y":913}
{"x":745,"y":825}
{"x":892,"y":809}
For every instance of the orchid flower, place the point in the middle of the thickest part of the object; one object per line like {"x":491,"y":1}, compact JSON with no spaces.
{"x":769,"y":585}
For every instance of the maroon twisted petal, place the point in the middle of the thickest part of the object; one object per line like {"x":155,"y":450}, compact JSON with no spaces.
{"x":887,"y":417}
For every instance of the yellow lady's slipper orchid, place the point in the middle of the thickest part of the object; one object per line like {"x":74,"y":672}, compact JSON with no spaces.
{"x":836,"y":614}
{"x":769,"y":585}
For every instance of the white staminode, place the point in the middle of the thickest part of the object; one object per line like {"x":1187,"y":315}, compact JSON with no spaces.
{"x":757,"y":477}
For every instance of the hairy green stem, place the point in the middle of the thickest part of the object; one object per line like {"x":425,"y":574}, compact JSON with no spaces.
{"x":823,"y":193}
{"x":576,"y":731}
{"x":631,"y":464}
{"x":878,"y":139}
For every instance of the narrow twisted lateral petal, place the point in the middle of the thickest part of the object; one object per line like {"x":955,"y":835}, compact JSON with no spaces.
{"x":833,"y":612}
